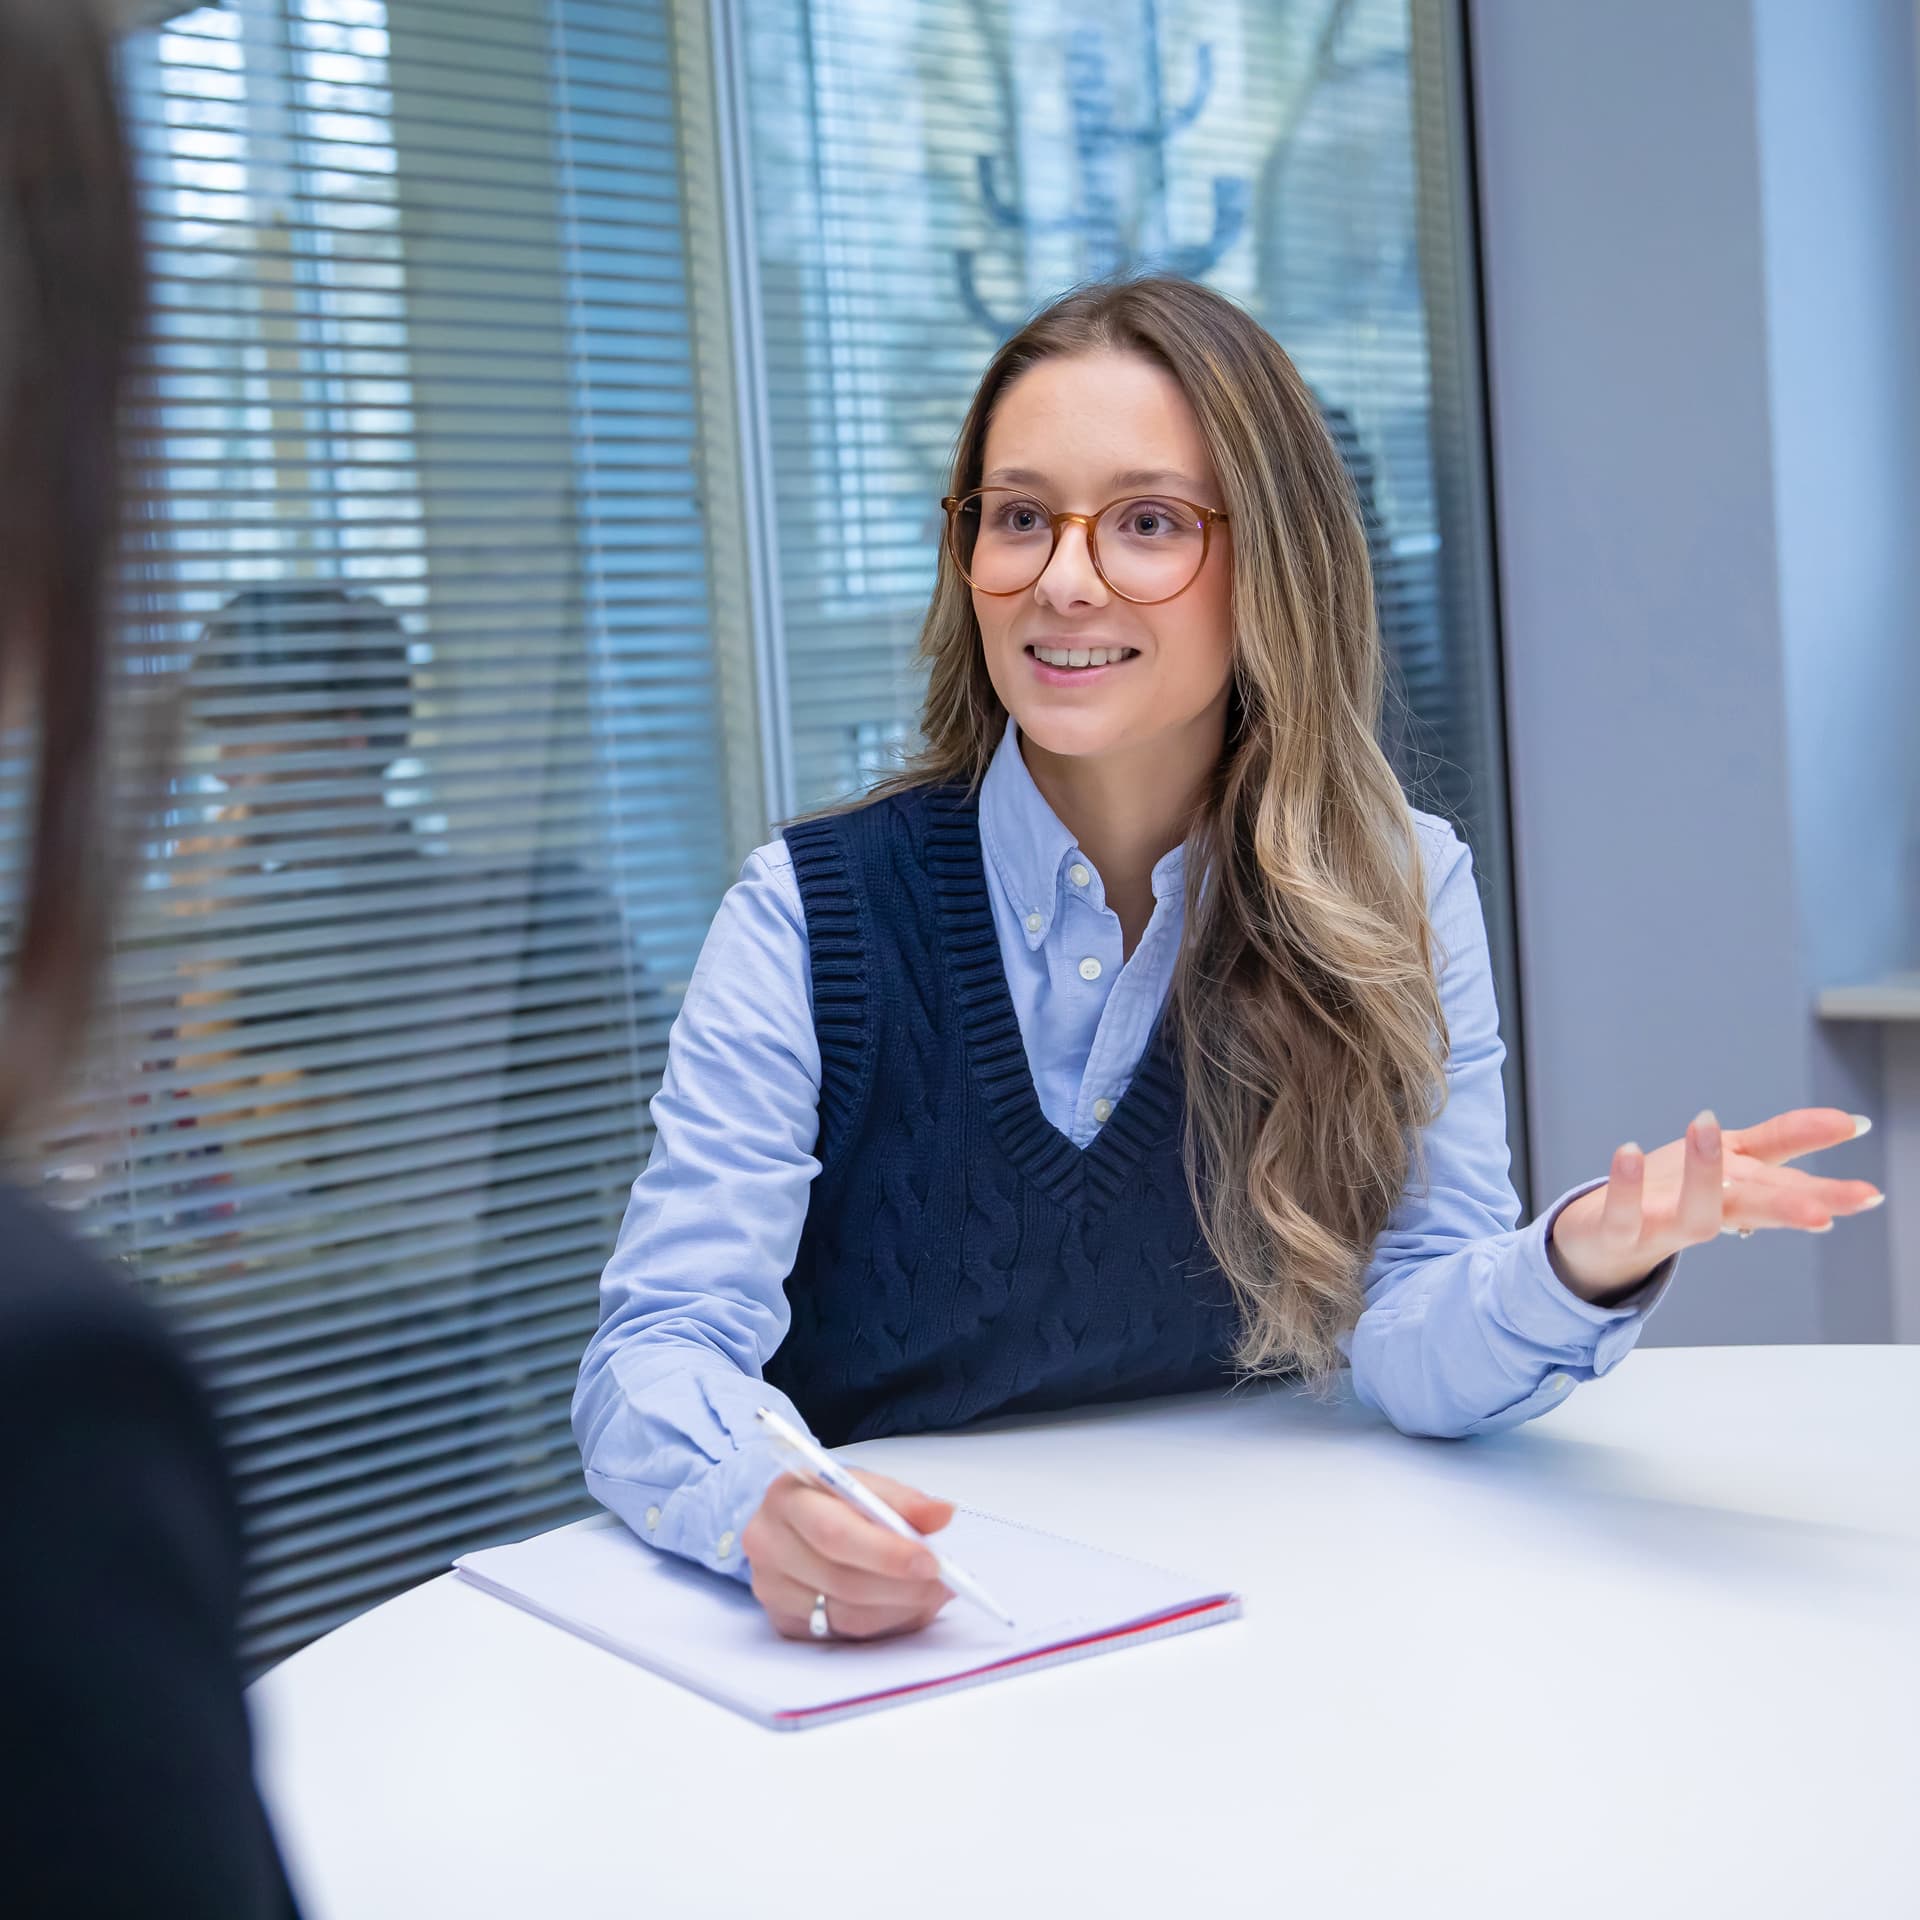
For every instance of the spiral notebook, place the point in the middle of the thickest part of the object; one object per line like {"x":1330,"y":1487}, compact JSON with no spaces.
{"x":708,"y":1633}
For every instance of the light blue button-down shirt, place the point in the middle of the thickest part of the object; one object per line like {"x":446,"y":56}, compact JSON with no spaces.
{"x":1466,"y":1329}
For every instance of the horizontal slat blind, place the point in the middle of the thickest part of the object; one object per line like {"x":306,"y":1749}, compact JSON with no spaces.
{"x":415,"y":510}
{"x":1268,"y":149}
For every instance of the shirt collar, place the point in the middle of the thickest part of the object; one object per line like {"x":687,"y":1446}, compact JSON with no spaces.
{"x":1030,"y":848}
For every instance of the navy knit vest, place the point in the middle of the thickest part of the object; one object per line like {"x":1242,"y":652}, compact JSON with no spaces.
{"x":961,"y":1256}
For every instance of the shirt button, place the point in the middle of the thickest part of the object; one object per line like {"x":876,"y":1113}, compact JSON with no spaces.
{"x":653,"y":1518}
{"x":1089,"y":968}
{"x":1078,"y":874}
{"x":725,"y":1545}
{"x":1103,"y":1111}
{"x":1557,"y":1382}
{"x":1034,"y":923}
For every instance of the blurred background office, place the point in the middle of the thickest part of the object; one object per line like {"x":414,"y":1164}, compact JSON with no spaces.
{"x":537,"y":454}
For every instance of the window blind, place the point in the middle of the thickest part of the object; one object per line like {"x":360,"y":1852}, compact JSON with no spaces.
{"x":415,"y":516}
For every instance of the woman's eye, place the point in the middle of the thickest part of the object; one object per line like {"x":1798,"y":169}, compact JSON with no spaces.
{"x":1150,"y":520}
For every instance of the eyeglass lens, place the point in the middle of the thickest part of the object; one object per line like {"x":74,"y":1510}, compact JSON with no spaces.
{"x":1149,"y":548}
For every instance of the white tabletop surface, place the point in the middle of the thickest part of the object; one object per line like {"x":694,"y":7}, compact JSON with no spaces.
{"x":1657,"y":1653}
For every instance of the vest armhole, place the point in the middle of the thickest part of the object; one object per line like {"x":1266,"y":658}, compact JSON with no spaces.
{"x":837,"y":947}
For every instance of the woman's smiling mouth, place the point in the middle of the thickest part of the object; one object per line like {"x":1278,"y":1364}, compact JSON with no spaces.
{"x":1080,"y":659}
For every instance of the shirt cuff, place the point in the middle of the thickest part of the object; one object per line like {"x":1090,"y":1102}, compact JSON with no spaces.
{"x":703,"y":1519}
{"x":1540,"y":1308}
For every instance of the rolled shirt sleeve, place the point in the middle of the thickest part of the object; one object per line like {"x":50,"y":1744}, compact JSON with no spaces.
{"x":1467,"y":1328}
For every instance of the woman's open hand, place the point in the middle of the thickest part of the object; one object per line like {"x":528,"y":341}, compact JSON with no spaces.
{"x":1713,"y":1181}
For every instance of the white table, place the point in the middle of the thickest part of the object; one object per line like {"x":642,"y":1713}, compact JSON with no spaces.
{"x":1655,"y":1654}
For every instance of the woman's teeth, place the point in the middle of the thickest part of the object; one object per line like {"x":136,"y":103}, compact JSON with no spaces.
{"x":1082,"y":656}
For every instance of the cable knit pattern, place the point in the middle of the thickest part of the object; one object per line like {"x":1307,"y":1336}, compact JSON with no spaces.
{"x":961,"y":1256}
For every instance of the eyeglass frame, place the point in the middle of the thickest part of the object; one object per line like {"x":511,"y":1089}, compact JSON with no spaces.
{"x":1208,"y":517}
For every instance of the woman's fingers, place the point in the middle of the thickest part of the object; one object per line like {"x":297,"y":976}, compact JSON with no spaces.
{"x":784,"y":1601}
{"x":1837,"y":1196}
{"x":1622,"y":1214}
{"x":918,"y":1509}
{"x":1805,"y":1130}
{"x":837,"y":1532}
{"x":1750,"y":1209}
{"x":789,"y":1605}
{"x":796,"y":1555}
{"x":1699,"y":1213}
{"x":1759,"y":1195}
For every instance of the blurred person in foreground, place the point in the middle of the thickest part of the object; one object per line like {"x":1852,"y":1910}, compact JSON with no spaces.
{"x":126,"y":1785}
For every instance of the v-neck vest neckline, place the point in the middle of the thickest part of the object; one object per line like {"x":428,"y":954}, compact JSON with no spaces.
{"x":996,"y":1051}
{"x":839,"y":939}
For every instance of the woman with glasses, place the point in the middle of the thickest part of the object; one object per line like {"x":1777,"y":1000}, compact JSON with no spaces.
{"x":1137,"y":1037}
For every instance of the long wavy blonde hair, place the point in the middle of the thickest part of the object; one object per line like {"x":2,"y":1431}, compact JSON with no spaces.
{"x":1304,"y":1006}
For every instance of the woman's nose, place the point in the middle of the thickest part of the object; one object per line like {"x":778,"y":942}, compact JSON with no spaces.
{"x":1070,"y":578}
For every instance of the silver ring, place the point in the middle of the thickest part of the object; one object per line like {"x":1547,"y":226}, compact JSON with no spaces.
{"x":817,"y":1622}
{"x":1746,"y":1233}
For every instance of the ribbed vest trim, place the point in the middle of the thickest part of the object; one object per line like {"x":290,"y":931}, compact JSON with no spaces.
{"x":997,"y":1054}
{"x":838,"y":943}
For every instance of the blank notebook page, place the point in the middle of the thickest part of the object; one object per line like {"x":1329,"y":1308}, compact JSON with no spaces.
{"x":709,"y":1633}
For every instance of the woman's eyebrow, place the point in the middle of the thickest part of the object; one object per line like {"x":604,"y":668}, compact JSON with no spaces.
{"x":1132,"y":477}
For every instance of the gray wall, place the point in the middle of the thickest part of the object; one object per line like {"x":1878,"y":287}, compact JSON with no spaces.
{"x":1699,"y":249}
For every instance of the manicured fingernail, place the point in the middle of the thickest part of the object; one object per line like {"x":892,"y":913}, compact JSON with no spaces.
{"x":1828,"y":1228}
{"x":1707,"y":1128}
{"x":1867,"y":1206}
{"x":1862,"y":1123}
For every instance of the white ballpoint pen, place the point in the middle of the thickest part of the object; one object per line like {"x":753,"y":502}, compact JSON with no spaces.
{"x":827,"y":1472}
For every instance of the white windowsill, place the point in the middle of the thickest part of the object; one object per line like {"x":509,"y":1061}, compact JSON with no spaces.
{"x":1895,"y":997}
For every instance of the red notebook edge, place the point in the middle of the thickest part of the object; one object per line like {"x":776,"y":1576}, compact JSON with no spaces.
{"x":1160,"y":1626}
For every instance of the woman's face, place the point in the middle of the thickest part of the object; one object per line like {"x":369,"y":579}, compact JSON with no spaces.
{"x":1076,"y":433}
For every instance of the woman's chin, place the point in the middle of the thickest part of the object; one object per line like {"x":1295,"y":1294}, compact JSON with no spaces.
{"x":1071,"y":735}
